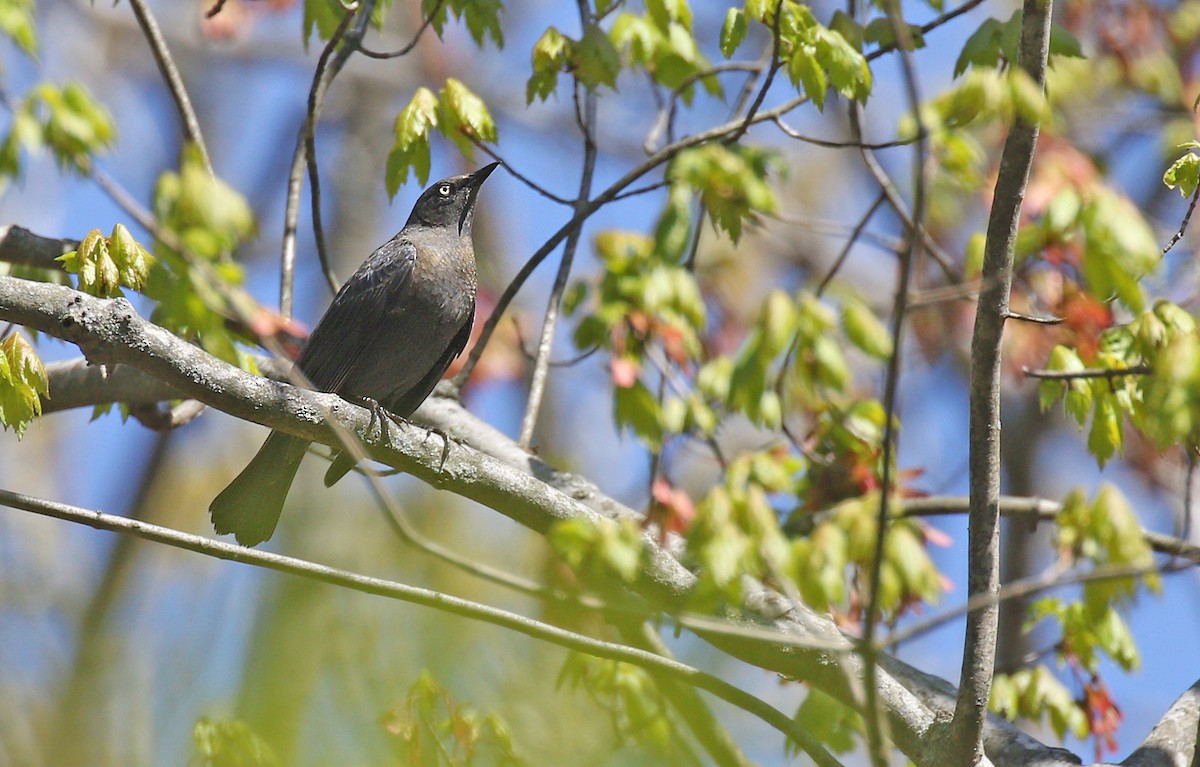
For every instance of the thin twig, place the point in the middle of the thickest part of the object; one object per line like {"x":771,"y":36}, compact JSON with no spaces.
{"x":665,"y":120}
{"x":170,"y":73}
{"x":1071,"y":375}
{"x":873,"y":714}
{"x":929,"y":26}
{"x":845,"y":252}
{"x":322,"y":79}
{"x":585,"y":116}
{"x":492,"y":153}
{"x":404,"y":50}
{"x":1183,"y":225}
{"x":439,"y":601}
{"x":792,"y":132}
{"x":1034,"y":319}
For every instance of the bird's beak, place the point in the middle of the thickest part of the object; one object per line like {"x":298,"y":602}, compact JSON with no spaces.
{"x":477,"y":179}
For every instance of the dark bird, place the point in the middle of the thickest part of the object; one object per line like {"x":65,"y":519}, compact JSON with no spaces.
{"x":387,"y":338}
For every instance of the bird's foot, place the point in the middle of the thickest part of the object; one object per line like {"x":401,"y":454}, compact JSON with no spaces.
{"x":445,"y":445}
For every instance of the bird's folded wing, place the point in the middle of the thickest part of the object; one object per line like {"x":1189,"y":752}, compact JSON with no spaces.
{"x":348,"y":329}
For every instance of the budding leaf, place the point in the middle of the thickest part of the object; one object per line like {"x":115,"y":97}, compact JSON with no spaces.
{"x":23,"y":383}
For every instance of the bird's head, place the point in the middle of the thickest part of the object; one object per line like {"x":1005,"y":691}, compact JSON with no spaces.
{"x":450,"y":202}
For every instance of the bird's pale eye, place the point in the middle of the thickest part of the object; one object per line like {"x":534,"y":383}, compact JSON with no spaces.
{"x":444,"y":190}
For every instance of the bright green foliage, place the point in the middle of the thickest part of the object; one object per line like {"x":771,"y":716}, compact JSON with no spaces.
{"x":601,"y":551}
{"x":1107,"y":533}
{"x":106,"y":264}
{"x":1163,"y":404}
{"x":22,"y":383}
{"x":456,"y":112}
{"x":1184,"y":173}
{"x":551,"y":53}
{"x":829,"y":721}
{"x":731,"y":182}
{"x":1030,"y":693}
{"x":1088,"y":630}
{"x":865,"y":330}
{"x":639,"y":713}
{"x":995,"y":43}
{"x":17,"y":22}
{"x":751,"y":388}
{"x":324,"y":16}
{"x":229,"y":744}
{"x":66,"y":120}
{"x":816,"y":56}
{"x":736,"y":531}
{"x":733,"y":31}
{"x":210,"y":220}
{"x":411,"y":149}
{"x":1120,"y":248}
{"x":661,"y":43}
{"x":482,"y":17}
{"x":596,"y":59}
{"x":643,"y":301}
{"x":431,"y":728}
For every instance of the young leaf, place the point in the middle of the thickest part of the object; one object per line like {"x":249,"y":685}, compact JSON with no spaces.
{"x":411,"y":147}
{"x":733,"y":31}
{"x":23,"y":384}
{"x":464,"y":116}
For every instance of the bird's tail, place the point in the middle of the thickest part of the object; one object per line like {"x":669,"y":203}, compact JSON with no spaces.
{"x":250,"y":507}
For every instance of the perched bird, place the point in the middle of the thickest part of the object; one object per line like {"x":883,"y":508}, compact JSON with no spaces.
{"x":387,"y":338}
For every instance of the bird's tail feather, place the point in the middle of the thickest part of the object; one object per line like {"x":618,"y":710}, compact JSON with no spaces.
{"x":250,"y":506}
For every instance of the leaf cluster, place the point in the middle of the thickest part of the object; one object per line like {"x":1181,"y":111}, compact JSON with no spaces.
{"x":456,"y":112}
{"x":23,"y":383}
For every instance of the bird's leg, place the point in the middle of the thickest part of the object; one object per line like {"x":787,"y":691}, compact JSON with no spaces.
{"x":445,"y":445}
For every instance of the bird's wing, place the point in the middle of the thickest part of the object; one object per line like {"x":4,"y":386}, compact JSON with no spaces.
{"x":349,"y":326}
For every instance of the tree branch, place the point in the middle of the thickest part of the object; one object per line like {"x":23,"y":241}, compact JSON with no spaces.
{"x":979,"y":644}
{"x":170,"y":73}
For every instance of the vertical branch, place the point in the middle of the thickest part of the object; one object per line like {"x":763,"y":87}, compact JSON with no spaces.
{"x":302,"y":158}
{"x":979,"y":647}
{"x":586,"y":118}
{"x":873,"y":715}
{"x":170,"y":73}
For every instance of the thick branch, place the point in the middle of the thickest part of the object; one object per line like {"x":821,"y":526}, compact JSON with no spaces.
{"x":979,"y":644}
{"x":18,"y":245}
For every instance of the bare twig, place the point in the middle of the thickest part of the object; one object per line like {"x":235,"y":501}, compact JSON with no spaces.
{"x":300,"y":161}
{"x":544,"y":192}
{"x":793,"y":133}
{"x":983,"y":578}
{"x":664,"y":122}
{"x":1033,"y":318}
{"x":170,"y":73}
{"x":845,"y":252}
{"x":439,"y":601}
{"x":322,"y":79}
{"x":1071,"y":375}
{"x":1183,"y":225}
{"x":873,"y":714}
{"x":585,"y":117}
{"x":405,"y":49}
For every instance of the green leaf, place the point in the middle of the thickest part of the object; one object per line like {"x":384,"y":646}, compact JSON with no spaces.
{"x":550,"y":54}
{"x":733,"y":31}
{"x":637,"y":409}
{"x":829,"y":721}
{"x":1063,"y":43}
{"x":1184,"y":174}
{"x":865,"y":330}
{"x":23,"y":384}
{"x":982,"y":48}
{"x":596,"y":59}
{"x":18,"y":23}
{"x":411,"y":147}
{"x":464,"y":116}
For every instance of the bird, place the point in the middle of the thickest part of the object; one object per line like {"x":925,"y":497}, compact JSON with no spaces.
{"x":385,"y":341}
